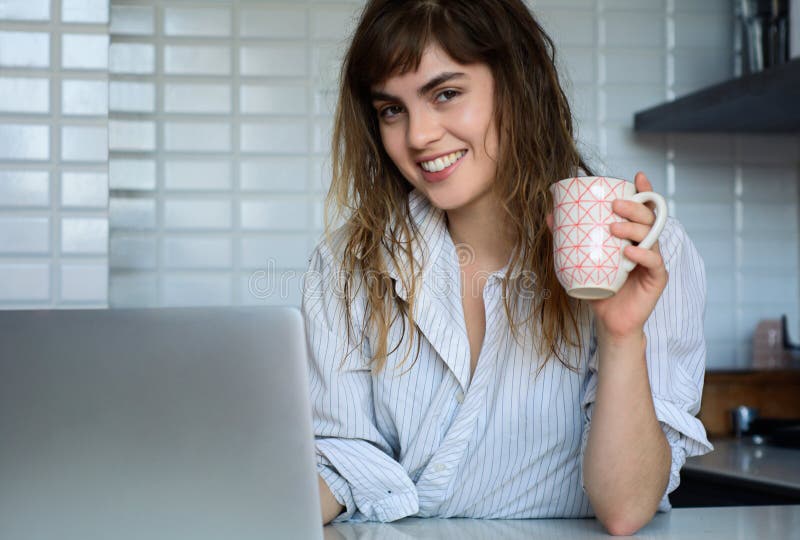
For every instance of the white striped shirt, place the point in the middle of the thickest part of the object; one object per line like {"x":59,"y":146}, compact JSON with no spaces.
{"x":429,"y":440}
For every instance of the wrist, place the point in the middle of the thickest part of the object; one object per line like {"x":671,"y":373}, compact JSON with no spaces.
{"x":627,"y":340}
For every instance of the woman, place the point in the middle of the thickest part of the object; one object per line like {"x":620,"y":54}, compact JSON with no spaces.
{"x":451,"y":375}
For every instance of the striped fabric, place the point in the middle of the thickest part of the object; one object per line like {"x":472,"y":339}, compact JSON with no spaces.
{"x":426,"y":439}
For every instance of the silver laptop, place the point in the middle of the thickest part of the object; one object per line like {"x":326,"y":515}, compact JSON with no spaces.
{"x":156,"y":424}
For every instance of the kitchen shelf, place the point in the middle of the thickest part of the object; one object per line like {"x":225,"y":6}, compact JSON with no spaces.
{"x":764,"y":102}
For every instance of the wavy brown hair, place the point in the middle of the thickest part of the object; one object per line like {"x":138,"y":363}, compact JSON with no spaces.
{"x":536,"y":148}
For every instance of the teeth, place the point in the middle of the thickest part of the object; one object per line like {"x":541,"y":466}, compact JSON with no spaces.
{"x":443,"y":162}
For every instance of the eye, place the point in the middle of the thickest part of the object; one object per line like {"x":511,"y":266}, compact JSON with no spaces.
{"x":446,"y":95}
{"x":390,"y":111}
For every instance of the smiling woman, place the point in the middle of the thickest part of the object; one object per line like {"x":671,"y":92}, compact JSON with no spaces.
{"x":451,"y":375}
{"x":437,"y":122}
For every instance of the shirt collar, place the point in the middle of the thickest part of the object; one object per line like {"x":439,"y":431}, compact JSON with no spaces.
{"x":432,"y":248}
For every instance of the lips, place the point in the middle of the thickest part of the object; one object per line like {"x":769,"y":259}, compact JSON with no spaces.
{"x":443,"y":166}
{"x":441,"y":162}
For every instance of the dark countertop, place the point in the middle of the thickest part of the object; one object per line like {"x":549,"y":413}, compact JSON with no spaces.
{"x":745,"y":460}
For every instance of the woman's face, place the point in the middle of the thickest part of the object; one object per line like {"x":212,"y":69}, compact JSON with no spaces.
{"x":437,"y":125}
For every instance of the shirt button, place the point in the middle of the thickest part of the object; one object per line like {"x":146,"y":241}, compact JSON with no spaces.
{"x":439,"y":467}
{"x":460,"y":396}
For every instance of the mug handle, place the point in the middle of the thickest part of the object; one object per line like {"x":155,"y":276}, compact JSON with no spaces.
{"x":655,"y":230}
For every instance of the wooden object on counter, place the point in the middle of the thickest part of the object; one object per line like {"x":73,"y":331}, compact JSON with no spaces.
{"x":775,"y":393}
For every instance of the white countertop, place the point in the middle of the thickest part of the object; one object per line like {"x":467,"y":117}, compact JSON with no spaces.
{"x":744,"y":460}
{"x":722,"y":523}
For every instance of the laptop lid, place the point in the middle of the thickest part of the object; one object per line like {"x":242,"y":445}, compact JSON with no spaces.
{"x":188,"y":423}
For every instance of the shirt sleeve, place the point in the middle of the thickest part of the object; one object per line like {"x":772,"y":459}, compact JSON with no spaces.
{"x":353,"y":457}
{"x":675,"y":352}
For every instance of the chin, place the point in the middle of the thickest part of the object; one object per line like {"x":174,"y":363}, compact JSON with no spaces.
{"x":446,"y":201}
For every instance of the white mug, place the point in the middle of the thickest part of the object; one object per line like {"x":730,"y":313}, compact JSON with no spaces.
{"x":589,"y":261}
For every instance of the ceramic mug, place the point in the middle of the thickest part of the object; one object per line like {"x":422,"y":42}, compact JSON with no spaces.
{"x":589,"y":261}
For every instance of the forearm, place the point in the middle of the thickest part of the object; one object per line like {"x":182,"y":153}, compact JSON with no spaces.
{"x":330,"y":506}
{"x":627,"y":458}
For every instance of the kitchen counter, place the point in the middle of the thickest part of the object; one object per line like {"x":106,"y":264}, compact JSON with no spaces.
{"x":744,"y":460}
{"x":762,"y":522}
{"x":740,"y":473}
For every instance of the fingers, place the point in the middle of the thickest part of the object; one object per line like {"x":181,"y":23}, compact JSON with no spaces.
{"x":635,"y":232}
{"x":633,"y":211}
{"x":648,"y":258}
{"x":642,"y":183}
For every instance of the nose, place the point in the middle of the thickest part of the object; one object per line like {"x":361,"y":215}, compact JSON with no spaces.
{"x":423,"y":129}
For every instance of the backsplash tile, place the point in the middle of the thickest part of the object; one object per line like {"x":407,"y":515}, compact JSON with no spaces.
{"x":24,"y":95}
{"x":24,"y":235}
{"x":132,"y":58}
{"x":197,"y":98}
{"x":132,"y":174}
{"x":197,"y":136}
{"x":287,"y":60}
{"x":84,"y":190}
{"x":282,"y":214}
{"x":84,"y":97}
{"x":197,"y":253}
{"x":84,"y":11}
{"x":132,"y":97}
{"x":84,"y":235}
{"x":197,"y":214}
{"x":24,"y":142}
{"x":24,"y":189}
{"x":205,"y":21}
{"x":84,"y":143}
{"x":198,"y":174}
{"x":84,"y":51}
{"x":84,"y":283}
{"x":53,"y":153}
{"x":278,"y":22}
{"x":25,"y":10}
{"x":132,"y":20}
{"x":24,"y":49}
{"x":24,"y":283}
{"x":197,"y":60}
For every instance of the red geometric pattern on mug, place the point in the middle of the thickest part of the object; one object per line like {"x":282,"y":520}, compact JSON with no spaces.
{"x":588,"y":252}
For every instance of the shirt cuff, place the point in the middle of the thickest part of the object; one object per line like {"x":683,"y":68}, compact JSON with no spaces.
{"x":686,"y":437}
{"x":358,"y":486}
{"x":338,"y":486}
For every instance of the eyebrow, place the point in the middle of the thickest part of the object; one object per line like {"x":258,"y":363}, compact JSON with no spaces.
{"x":424,"y":89}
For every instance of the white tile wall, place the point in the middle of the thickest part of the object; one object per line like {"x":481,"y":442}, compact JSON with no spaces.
{"x":132,"y":20}
{"x":84,"y":98}
{"x":24,"y":49}
{"x":19,"y":189}
{"x":24,"y":142}
{"x":80,"y":51}
{"x":198,"y":175}
{"x":84,"y":190}
{"x":24,"y":95}
{"x":53,"y":153}
{"x":131,"y":58}
{"x":84,"y":11}
{"x":22,"y":10}
{"x":216,"y":149}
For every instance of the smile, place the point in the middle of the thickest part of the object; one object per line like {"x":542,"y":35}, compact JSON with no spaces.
{"x":441,"y":163}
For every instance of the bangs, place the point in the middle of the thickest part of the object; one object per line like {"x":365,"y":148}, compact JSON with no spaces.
{"x":395,"y":42}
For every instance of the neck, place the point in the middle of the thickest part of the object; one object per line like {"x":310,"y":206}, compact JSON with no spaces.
{"x":482,"y":228}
